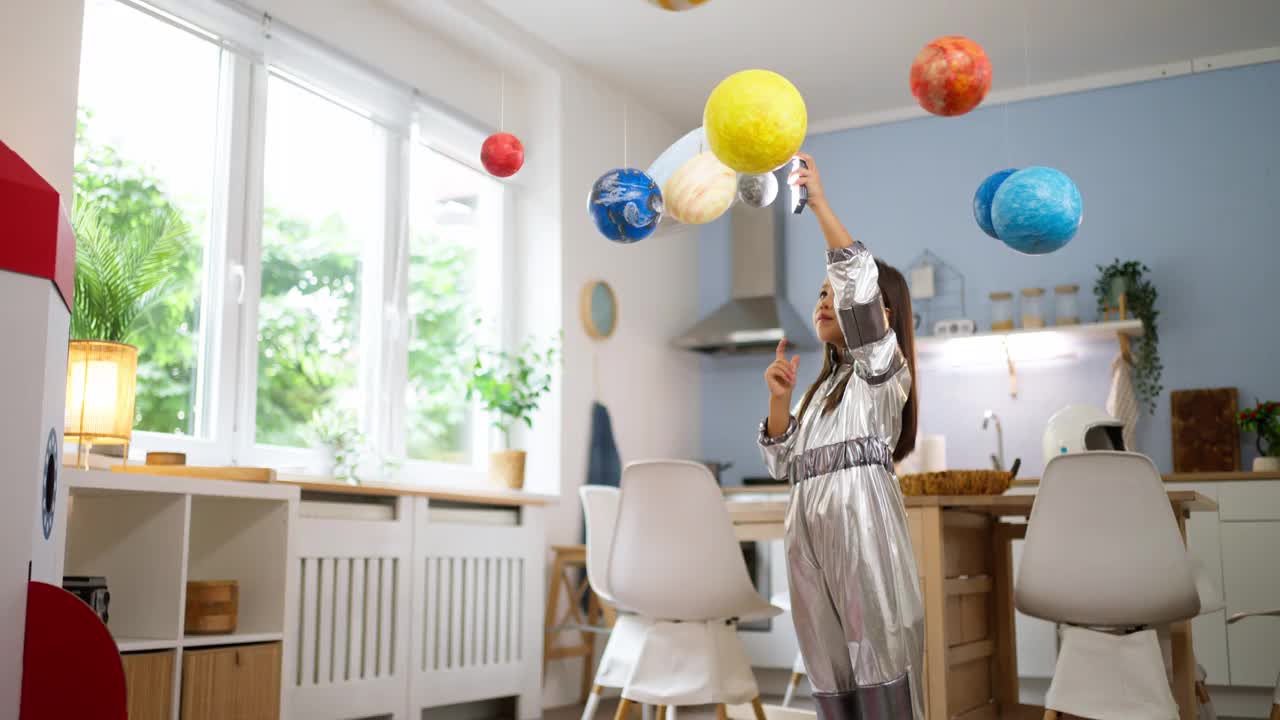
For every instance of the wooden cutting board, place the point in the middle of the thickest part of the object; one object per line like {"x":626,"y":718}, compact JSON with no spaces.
{"x":227,"y":472}
{"x":1205,"y":435}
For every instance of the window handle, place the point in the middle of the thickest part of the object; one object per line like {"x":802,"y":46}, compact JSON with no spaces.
{"x":237,"y":272}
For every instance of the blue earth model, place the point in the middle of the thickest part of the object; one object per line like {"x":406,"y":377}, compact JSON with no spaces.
{"x":625,"y":204}
{"x":1036,"y":210}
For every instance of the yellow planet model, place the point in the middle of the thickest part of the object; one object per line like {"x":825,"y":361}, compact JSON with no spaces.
{"x":700,"y":190}
{"x":755,"y":121}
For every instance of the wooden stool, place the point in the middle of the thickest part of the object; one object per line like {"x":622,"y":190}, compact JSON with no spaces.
{"x":569,"y":564}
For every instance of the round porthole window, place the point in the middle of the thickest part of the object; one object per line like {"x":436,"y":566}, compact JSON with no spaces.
{"x":49,"y":488}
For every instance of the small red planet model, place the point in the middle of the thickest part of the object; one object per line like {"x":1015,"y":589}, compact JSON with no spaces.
{"x":502,"y":154}
{"x":950,"y":76}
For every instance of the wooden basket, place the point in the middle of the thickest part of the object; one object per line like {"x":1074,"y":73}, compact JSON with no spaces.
{"x":212,"y":607}
{"x":957,"y":482}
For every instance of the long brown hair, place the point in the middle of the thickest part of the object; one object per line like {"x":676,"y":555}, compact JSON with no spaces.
{"x":897,"y":300}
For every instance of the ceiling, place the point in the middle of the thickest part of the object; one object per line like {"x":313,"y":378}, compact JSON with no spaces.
{"x":850,"y":58}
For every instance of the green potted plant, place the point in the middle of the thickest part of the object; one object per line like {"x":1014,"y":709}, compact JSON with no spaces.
{"x":510,"y":387}
{"x":119,"y":276}
{"x":1129,"y":279}
{"x":1264,"y":421}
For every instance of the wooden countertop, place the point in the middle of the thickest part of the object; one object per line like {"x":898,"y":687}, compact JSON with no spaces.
{"x":772,"y":511}
{"x":478,"y":495}
{"x":1191,"y":477}
{"x":1196,"y":477}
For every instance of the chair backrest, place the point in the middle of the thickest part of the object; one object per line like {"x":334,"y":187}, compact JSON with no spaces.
{"x":1103,"y":546}
{"x":600,"y":508}
{"x":675,"y":556}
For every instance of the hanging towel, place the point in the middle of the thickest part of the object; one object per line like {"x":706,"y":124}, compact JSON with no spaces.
{"x":604,"y":466}
{"x":1122,"y":402}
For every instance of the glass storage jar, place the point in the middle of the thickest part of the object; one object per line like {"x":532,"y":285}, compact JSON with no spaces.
{"x":1033,"y":307}
{"x":1001,"y":311}
{"x":1065,"y":310}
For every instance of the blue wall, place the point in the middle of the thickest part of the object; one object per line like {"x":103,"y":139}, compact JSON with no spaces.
{"x":1182,"y":174}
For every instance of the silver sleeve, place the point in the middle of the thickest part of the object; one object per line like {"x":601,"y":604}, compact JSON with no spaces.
{"x":776,"y":451}
{"x":860,"y":312}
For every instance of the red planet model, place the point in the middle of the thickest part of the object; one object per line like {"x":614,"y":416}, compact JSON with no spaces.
{"x":950,"y":76}
{"x":502,"y":154}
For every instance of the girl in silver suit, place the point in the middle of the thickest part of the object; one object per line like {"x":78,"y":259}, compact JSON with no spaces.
{"x":855,"y":595}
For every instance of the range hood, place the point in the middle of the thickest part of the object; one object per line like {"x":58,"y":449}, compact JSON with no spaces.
{"x":758,"y":315}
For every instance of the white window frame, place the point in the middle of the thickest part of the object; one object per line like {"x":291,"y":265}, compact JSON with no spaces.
{"x":254,"y":47}
{"x":445,"y":139}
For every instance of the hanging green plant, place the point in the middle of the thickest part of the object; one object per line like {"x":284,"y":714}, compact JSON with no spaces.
{"x":1130,"y":279}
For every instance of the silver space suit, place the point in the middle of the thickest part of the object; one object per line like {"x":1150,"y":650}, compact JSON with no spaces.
{"x":855,"y":596}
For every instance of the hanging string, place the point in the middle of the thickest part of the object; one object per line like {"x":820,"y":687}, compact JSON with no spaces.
{"x":624,"y":134}
{"x":595,"y":374}
{"x":502,"y":101}
{"x":1026,"y":84}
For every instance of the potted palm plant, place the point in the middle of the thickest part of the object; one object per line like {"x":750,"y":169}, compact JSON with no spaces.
{"x":119,"y":276}
{"x":510,"y":387}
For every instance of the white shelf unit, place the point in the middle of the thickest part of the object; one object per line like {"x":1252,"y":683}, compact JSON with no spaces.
{"x":195,"y":641}
{"x":148,"y":535}
{"x":132,"y":644}
{"x":1082,"y":333}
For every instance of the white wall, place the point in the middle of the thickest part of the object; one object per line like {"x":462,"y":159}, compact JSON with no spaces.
{"x":39,"y":77}
{"x":571,"y":125}
{"x":650,"y":388}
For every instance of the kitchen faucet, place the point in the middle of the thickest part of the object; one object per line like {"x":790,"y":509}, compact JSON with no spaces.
{"x":997,"y":459}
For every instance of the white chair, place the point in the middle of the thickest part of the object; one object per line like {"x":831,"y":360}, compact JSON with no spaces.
{"x":1275,"y":699}
{"x":675,"y":560}
{"x":1103,"y":556}
{"x":782,"y":600}
{"x":600,"y":509}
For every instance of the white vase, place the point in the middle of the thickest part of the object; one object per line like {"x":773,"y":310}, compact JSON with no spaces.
{"x":1266,"y":464}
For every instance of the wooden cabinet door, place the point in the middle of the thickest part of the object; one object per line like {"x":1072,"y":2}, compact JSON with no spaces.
{"x":258,"y":682}
{"x":209,"y":684}
{"x":231,"y":683}
{"x":148,"y":678}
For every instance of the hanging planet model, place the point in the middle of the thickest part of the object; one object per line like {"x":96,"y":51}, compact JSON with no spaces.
{"x":680,"y":152}
{"x":700,"y":191}
{"x":625,"y":204}
{"x":755,"y":121}
{"x":758,"y":191}
{"x":1036,"y":210}
{"x":950,"y":76}
{"x":502,"y":154}
{"x":677,"y":5}
{"x":983,"y":197}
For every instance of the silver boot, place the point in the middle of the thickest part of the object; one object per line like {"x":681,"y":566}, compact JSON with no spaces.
{"x":887,"y":701}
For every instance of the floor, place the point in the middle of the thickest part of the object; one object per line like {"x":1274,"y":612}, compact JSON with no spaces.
{"x":609,"y":705}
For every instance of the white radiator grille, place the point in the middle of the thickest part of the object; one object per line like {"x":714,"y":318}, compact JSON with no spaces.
{"x":472,"y":612}
{"x":347,"y":619}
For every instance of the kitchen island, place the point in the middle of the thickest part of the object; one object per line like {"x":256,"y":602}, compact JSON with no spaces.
{"x":963,"y":549}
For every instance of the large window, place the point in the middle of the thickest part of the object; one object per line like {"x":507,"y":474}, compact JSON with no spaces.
{"x":148,"y":147}
{"x":455,"y":237}
{"x":335,"y":270}
{"x":322,"y":219}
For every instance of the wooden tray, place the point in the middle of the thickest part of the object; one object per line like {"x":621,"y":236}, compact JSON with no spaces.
{"x":228,"y":472}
